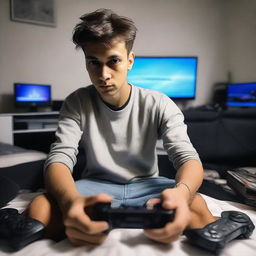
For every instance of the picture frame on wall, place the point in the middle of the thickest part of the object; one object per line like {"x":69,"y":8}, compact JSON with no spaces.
{"x":39,"y":12}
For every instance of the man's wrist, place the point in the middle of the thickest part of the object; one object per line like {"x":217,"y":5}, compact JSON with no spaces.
{"x":186,"y":188}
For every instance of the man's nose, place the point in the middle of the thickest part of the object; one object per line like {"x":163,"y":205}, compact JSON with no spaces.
{"x":105,"y":73}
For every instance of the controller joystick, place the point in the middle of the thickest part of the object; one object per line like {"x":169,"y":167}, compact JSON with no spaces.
{"x":132,"y":217}
{"x":216,"y":235}
{"x":237,"y":217}
{"x":18,"y":230}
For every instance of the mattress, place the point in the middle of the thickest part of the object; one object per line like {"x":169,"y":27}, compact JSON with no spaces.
{"x":132,"y":242}
{"x":12,"y":155}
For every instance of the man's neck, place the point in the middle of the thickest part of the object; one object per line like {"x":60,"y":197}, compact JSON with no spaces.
{"x":122,"y":106}
{"x":119,"y":99}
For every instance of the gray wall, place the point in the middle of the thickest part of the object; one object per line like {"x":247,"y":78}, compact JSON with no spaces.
{"x":222,"y":33}
{"x":241,"y":39}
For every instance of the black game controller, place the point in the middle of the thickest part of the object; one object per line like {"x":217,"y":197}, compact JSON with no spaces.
{"x":132,"y":217}
{"x":18,"y":230}
{"x":216,"y":235}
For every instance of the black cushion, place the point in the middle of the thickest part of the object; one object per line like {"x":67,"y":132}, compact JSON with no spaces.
{"x":27,"y":175}
{"x":8,"y":190}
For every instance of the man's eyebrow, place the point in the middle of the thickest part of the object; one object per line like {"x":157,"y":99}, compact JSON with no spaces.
{"x":114,"y":56}
{"x":110,"y":57}
{"x":90,"y":57}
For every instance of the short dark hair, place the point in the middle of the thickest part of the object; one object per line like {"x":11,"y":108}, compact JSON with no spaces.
{"x":103,"y":25}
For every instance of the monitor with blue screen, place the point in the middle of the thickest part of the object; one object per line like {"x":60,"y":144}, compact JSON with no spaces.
{"x":32,"y":95}
{"x":174,"y":76}
{"x":241,"y":95}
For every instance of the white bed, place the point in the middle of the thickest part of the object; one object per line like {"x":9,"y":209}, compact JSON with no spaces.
{"x":131,"y":242}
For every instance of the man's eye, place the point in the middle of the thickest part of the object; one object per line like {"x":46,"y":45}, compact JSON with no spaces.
{"x":115,"y":61}
{"x":93,"y":62}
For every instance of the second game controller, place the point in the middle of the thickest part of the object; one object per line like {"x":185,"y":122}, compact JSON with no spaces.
{"x":18,"y":230}
{"x":216,"y":235}
{"x":132,"y":217}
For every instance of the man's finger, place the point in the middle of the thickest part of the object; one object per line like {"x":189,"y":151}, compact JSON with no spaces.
{"x":99,"y":198}
{"x":78,"y":238}
{"x":151,"y":202}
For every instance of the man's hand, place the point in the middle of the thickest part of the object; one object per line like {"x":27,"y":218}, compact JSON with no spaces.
{"x":171,"y":199}
{"x":79,"y":228}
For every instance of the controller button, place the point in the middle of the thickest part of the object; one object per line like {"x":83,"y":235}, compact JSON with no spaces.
{"x":215,"y":226}
{"x":207,"y":234}
{"x":217,"y":235}
{"x":213,"y":232}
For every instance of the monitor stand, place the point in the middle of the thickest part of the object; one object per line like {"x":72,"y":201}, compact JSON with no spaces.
{"x":33,"y":109}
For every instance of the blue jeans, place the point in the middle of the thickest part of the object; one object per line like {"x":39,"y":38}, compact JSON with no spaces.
{"x":135,"y":193}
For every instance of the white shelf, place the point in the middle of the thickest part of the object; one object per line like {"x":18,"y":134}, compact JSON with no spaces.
{"x":26,"y":123}
{"x":34,"y":130}
{"x":31,"y":114}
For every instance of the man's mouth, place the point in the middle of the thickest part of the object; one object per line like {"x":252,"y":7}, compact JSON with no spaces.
{"x":106,"y":86}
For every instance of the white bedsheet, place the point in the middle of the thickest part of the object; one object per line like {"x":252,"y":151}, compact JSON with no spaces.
{"x":131,"y":242}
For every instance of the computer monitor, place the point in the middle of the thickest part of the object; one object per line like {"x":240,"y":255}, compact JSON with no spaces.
{"x":241,"y":95}
{"x":32,"y":95}
{"x":174,"y":76}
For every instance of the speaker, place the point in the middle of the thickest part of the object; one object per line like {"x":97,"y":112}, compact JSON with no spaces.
{"x":220,"y":95}
{"x":56,"y":105}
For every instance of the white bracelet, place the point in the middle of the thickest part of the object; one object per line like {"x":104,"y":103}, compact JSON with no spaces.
{"x":189,"y":191}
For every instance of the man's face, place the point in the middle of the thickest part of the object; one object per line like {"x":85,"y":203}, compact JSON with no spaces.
{"x":107,"y":67}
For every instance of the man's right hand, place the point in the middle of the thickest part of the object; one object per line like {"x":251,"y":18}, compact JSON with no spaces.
{"x":79,"y":228}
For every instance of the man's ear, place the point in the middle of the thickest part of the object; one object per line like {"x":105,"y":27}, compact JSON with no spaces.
{"x":131,"y":57}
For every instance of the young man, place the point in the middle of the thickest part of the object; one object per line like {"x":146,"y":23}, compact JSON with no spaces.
{"x":118,"y":125}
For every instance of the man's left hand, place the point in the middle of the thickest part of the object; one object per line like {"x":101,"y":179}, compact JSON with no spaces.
{"x":171,"y":199}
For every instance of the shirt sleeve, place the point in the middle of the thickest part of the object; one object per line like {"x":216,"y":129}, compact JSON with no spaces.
{"x":173,"y":132}
{"x":68,"y":134}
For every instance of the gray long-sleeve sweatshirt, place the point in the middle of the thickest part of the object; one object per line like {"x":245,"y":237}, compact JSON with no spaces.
{"x":120,"y":145}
